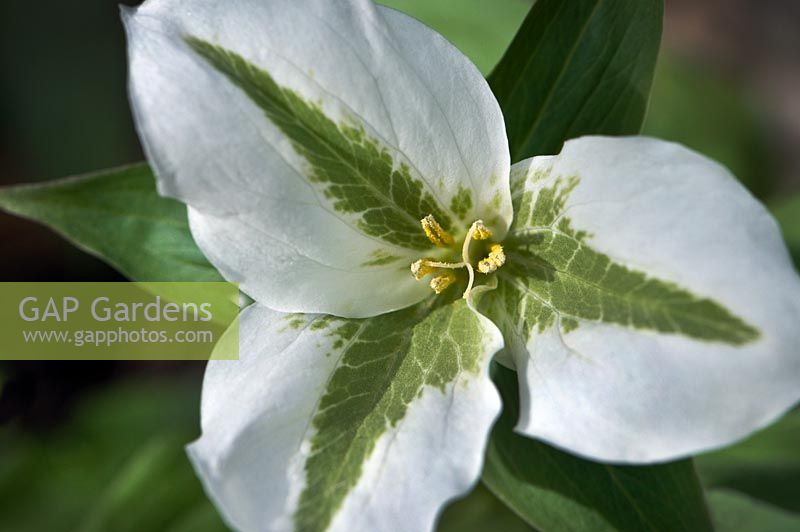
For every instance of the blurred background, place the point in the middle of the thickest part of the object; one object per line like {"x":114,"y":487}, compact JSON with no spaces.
{"x":98,"y":446}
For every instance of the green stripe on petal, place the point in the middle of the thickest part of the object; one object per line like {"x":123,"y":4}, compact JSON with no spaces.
{"x":358,"y":172}
{"x":384,"y":364}
{"x":344,"y":424}
{"x":555,"y":277}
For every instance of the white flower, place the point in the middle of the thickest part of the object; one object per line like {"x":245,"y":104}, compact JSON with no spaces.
{"x":326,"y":147}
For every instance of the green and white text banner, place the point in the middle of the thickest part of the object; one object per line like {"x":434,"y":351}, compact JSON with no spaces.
{"x":119,"y":321}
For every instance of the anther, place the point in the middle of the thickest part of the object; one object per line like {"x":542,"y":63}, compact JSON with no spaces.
{"x":444,"y":274}
{"x":436,"y":232}
{"x":440,"y":283}
{"x":495,"y":259}
{"x":421,"y":268}
{"x":480,"y":232}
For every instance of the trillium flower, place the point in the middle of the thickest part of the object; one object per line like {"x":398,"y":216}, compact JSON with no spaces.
{"x":350,"y":169}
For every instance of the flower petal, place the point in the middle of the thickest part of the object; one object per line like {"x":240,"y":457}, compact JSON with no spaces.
{"x":346,"y":424}
{"x":310,"y":137}
{"x":649,"y":302}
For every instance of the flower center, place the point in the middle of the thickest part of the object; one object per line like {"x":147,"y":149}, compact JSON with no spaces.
{"x":444,"y":273}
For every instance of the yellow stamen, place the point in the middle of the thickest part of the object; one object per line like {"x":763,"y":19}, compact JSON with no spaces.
{"x":423,"y":267}
{"x":481,"y":232}
{"x":495,"y":259}
{"x":443,"y":279}
{"x":440,"y":283}
{"x":436,"y":232}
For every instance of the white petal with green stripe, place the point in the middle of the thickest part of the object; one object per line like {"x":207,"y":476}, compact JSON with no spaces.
{"x":310,"y":137}
{"x":345,"y":424}
{"x":648,"y":300}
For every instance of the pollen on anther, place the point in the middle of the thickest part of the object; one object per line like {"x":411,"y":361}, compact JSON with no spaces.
{"x":421,"y":268}
{"x":496,"y":258}
{"x":440,"y":283}
{"x":436,"y":232}
{"x":481,"y":232}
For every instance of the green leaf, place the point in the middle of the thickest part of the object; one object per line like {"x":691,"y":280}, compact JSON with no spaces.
{"x":765,"y":466}
{"x":478,"y":512}
{"x":481,"y":34}
{"x":787,"y":212}
{"x":156,"y":485}
{"x":577,"y":68}
{"x":734,"y":512}
{"x":118,"y":216}
{"x":117,"y":463}
{"x":203,"y":517}
{"x":554,"y":490}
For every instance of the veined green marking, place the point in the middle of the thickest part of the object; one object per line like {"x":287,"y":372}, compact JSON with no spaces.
{"x":461,"y":204}
{"x":381,"y":257}
{"x":294,"y":321}
{"x":553,"y":277}
{"x":358,"y":172}
{"x":384,"y":364}
{"x":546,"y":209}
